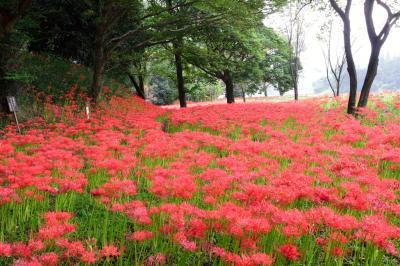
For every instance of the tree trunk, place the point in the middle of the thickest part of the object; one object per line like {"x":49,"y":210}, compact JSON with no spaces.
{"x":351,"y":68}
{"x":139,"y":86}
{"x":98,"y":66}
{"x":243,"y":93}
{"x":296,"y":91}
{"x":179,"y":72}
{"x":337,"y":87}
{"x":98,"y":79}
{"x":265,"y":88}
{"x":229,"y":90}
{"x":178,"y":45}
{"x":8,"y":18}
{"x":370,"y":76}
{"x":7,"y":87}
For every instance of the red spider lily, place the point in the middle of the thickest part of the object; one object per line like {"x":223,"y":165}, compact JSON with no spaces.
{"x":158,"y":259}
{"x":290,"y":252}
{"x":49,"y":259}
{"x":115,"y":189}
{"x":5,"y":249}
{"x":109,"y":251}
{"x":240,"y":172}
{"x":141,"y":235}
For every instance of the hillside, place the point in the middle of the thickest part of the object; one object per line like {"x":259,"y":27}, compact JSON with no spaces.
{"x":249,"y":184}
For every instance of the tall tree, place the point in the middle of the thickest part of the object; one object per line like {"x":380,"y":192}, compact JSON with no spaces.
{"x":377,"y":39}
{"x":10,"y":12}
{"x":295,"y":34}
{"x":107,"y":26}
{"x":335,"y":61}
{"x":224,"y":48}
{"x":276,"y":64}
{"x":177,"y":45}
{"x":351,"y":67}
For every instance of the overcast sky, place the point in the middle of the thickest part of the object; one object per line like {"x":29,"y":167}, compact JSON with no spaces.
{"x":312,"y":58}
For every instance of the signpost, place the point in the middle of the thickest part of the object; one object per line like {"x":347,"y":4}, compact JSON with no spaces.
{"x":13,"y":107}
{"x":87,"y":108}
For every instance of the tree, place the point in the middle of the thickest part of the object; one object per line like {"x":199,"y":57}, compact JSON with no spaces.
{"x":177,"y":44}
{"x":137,"y":71}
{"x":334,"y":62}
{"x":295,"y":34}
{"x":227,"y":48}
{"x":217,"y":12}
{"x":107,"y":27}
{"x":276,"y":64}
{"x":351,"y":67}
{"x":376,"y":40}
{"x":10,"y":12}
{"x":222,"y":54}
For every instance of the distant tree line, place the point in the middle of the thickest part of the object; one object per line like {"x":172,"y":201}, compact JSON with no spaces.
{"x":387,"y":78}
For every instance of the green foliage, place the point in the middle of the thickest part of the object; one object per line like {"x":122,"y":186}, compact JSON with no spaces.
{"x":203,"y":91}
{"x":163,"y":90}
{"x":50,"y":75}
{"x":276,"y":62}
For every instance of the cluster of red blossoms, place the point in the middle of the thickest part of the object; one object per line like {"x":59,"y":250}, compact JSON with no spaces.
{"x":51,"y":245}
{"x":243,"y":184}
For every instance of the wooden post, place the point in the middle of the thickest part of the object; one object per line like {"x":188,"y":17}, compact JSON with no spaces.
{"x":87,"y":108}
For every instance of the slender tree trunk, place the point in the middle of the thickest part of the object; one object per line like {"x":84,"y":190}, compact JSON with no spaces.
{"x":8,"y":18}
{"x":351,"y":68}
{"x":179,"y":72}
{"x":4,"y":92}
{"x":370,"y":76}
{"x":180,"y":81}
{"x":296,"y":91}
{"x":337,"y":88}
{"x":3,"y":82}
{"x":98,"y":66}
{"x":265,"y":88}
{"x":7,"y":87}
{"x":229,"y":90}
{"x":139,"y":86}
{"x":243,"y":93}
{"x":98,"y":79}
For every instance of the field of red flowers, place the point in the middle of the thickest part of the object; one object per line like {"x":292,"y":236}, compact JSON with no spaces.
{"x":246,"y":184}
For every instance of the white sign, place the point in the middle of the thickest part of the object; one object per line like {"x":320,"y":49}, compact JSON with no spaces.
{"x":12,"y":104}
{"x":13,"y":107}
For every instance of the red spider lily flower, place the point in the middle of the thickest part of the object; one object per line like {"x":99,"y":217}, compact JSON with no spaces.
{"x":115,"y":189}
{"x":338,"y":252}
{"x":5,"y":249}
{"x":141,"y":235}
{"x":49,"y":259}
{"x":290,"y":252}
{"x":21,"y":250}
{"x":261,"y":259}
{"x":181,"y":239}
{"x":158,"y":259}
{"x":109,"y":251}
